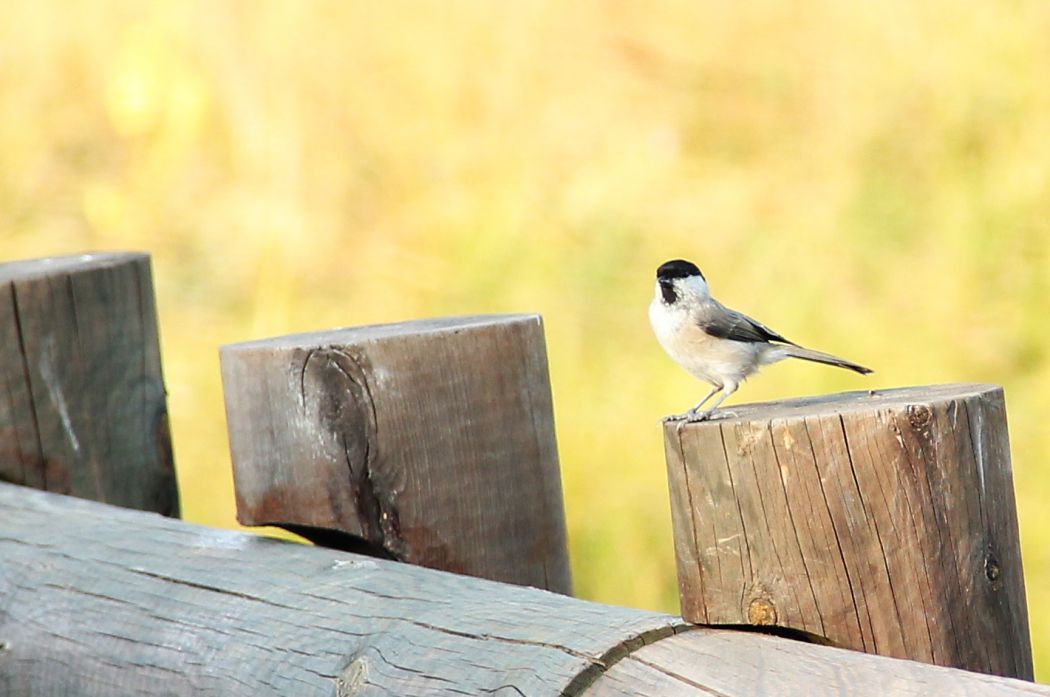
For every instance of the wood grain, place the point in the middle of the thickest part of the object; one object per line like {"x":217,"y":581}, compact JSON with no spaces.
{"x":82,"y":403}
{"x":884,"y":522}
{"x":128,"y":603}
{"x":730,"y":663}
{"x":430,"y":442}
{"x":123,"y":602}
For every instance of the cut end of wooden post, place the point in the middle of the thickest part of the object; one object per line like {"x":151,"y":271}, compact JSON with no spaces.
{"x":883,"y":520}
{"x":25,"y":269}
{"x":841,"y":403}
{"x":432,"y":441}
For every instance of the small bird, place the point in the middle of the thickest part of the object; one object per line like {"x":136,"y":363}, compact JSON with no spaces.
{"x":720,"y":346}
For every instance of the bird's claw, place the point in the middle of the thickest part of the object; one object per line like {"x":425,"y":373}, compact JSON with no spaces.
{"x":693,"y":417}
{"x":689,"y":417}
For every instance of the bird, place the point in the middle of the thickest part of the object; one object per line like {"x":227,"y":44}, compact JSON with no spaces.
{"x":714,"y":343}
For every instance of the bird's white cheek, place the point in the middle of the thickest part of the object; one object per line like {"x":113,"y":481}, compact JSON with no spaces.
{"x":663,"y":320}
{"x":695,"y":286}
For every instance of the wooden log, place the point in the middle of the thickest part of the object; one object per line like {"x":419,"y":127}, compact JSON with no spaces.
{"x":130,"y":603}
{"x":82,"y":402}
{"x":884,"y":522}
{"x":734,"y":663}
{"x":430,"y":442}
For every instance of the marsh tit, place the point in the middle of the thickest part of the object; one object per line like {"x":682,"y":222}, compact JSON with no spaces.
{"x":720,"y":346}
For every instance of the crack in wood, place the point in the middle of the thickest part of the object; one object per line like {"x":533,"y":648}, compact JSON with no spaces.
{"x":73,"y":307}
{"x":838,"y":539}
{"x":679,"y":677}
{"x":911,"y":511}
{"x":695,"y":537}
{"x":927,"y":454}
{"x":794,"y":528}
{"x":350,"y":417}
{"x":617,"y":653}
{"x":379,"y":510}
{"x":20,"y":331}
{"x":206,"y":587}
{"x":875,"y":526}
{"x":743,"y":526}
{"x":763,"y":592}
{"x":302,"y":377}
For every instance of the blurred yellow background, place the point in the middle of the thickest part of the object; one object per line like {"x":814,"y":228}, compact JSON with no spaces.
{"x":871,"y":179}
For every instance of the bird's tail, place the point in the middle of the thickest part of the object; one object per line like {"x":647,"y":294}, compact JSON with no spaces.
{"x":819,"y":357}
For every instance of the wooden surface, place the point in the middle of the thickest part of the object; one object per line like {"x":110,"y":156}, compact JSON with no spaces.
{"x":82,"y":403}
{"x":97,"y":600}
{"x":883,"y":522}
{"x":727,"y":663}
{"x":430,"y":442}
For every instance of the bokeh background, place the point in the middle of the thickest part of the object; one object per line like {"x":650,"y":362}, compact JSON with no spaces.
{"x":872,"y":179}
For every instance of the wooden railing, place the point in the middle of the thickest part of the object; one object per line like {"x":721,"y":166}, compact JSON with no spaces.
{"x":877,"y":522}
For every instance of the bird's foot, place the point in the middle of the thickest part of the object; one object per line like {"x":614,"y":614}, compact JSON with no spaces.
{"x":692,"y":416}
{"x":689,"y":416}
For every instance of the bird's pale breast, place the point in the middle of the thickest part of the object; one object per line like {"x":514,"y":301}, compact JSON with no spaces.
{"x":713,"y":360}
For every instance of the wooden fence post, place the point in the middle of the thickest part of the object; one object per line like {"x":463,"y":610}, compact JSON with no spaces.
{"x":884,"y":522}
{"x":82,"y":402}
{"x":430,"y":442}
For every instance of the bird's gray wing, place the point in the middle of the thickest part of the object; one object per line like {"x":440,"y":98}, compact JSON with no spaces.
{"x":729,"y":324}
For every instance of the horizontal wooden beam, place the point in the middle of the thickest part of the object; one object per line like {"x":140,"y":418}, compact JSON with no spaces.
{"x":100,"y":600}
{"x":726,"y":663}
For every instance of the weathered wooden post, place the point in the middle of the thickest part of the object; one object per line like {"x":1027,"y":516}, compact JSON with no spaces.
{"x":884,"y":522}
{"x":430,"y":442}
{"x":82,"y":402}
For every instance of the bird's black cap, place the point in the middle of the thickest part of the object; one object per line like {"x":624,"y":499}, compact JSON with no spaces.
{"x":677,"y":268}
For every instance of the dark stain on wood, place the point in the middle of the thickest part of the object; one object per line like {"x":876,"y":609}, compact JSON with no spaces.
{"x":345,"y":408}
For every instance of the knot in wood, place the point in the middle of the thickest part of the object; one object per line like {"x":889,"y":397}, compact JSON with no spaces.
{"x":762,"y":611}
{"x":919,"y":416}
{"x":353,"y":678}
{"x":991,"y":568}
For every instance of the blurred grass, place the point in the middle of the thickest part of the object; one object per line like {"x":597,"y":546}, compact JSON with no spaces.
{"x":871,"y":179}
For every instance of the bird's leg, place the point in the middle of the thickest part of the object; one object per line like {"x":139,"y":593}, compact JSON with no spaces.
{"x":730,"y":388}
{"x":709,"y":395}
{"x":688,"y":415}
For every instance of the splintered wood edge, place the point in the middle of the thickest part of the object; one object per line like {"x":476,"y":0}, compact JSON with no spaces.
{"x":843,"y":403}
{"x":71,"y":263}
{"x":378,"y":332}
